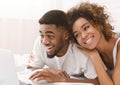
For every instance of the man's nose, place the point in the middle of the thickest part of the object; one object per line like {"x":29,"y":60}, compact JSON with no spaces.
{"x":45,"y":41}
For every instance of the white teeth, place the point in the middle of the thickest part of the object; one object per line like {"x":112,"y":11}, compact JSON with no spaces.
{"x":89,"y":40}
{"x":49,"y":47}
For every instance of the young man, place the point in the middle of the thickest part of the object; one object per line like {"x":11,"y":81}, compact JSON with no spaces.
{"x":54,"y":49}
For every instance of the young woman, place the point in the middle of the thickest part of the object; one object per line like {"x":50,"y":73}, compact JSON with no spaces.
{"x":93,"y":32}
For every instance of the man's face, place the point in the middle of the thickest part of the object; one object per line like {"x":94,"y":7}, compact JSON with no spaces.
{"x":53,"y":39}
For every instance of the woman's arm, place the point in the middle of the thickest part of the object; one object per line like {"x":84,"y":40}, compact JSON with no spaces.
{"x":116,"y":71}
{"x":103,"y":76}
{"x":93,"y":81}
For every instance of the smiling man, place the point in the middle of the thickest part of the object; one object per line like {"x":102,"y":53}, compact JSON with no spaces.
{"x":52,"y":39}
{"x":54,"y":48}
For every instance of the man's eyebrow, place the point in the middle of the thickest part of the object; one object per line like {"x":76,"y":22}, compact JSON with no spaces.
{"x":47,"y":32}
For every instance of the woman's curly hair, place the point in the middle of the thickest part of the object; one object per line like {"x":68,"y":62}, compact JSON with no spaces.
{"x":95,"y":14}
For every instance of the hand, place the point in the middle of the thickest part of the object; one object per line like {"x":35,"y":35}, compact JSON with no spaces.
{"x":30,"y":58}
{"x":50,"y":75}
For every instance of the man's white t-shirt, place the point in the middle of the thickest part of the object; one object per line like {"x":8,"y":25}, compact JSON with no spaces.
{"x":73,"y":62}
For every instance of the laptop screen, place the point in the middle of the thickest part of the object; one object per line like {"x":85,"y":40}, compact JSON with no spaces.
{"x":8,"y":75}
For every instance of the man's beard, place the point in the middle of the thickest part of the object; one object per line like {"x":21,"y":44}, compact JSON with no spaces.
{"x":51,"y":56}
{"x":55,"y":53}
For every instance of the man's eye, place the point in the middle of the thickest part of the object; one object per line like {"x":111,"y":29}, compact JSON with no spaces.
{"x":50,"y":36}
{"x":41,"y":36}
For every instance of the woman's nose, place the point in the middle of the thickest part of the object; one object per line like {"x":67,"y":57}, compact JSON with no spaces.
{"x":83,"y":34}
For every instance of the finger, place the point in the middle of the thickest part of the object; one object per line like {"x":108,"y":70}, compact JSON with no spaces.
{"x":48,"y":79}
{"x":63,"y":74}
{"x":39,"y":74}
{"x":35,"y":75}
{"x":39,"y":78}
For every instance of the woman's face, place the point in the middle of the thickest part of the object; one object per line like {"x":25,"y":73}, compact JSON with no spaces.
{"x":86,"y":35}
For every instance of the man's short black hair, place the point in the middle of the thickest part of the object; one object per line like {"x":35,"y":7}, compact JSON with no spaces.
{"x":56,"y":17}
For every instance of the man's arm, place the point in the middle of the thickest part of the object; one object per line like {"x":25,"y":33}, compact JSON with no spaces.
{"x":53,"y":75}
{"x":93,"y":81}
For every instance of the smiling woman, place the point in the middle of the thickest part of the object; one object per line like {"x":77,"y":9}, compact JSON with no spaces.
{"x":93,"y":31}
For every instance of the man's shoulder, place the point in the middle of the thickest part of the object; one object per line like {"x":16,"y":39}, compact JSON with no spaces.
{"x":38,"y":47}
{"x":38,"y":43}
{"x":73,"y":47}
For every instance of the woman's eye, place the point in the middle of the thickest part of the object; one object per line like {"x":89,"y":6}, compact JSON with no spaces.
{"x":86,"y":27}
{"x":76,"y":35}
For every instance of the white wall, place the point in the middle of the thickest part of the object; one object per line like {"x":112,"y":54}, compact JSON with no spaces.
{"x":18,"y":35}
{"x":19,"y":19}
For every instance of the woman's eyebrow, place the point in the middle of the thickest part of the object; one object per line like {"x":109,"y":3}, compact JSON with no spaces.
{"x":84,"y":25}
{"x":81,"y":27}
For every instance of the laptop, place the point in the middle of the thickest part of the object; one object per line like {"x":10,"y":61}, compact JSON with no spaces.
{"x":8,"y":75}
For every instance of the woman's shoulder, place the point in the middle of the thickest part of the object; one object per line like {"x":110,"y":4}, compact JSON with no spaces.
{"x":118,"y":43}
{"x":117,"y":35}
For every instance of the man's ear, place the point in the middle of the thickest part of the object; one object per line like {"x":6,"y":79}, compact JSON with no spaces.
{"x":66,"y":35}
